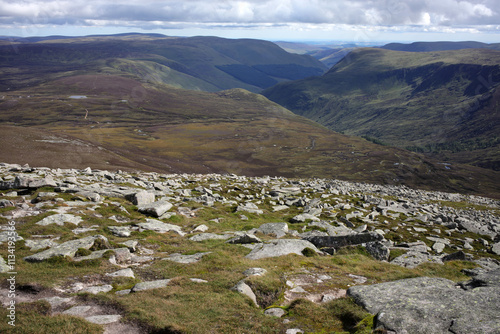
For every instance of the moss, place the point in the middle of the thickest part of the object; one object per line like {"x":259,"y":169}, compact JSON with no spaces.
{"x":366,"y":325}
{"x":309,"y":252}
{"x":82,"y":252}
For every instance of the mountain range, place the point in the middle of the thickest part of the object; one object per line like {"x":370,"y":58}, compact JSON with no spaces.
{"x":196,"y":63}
{"x":121,"y":102}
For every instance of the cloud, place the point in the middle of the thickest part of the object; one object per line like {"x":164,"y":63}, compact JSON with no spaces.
{"x":147,"y":13}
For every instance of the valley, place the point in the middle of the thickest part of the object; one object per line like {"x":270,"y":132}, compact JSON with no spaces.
{"x":443,"y":104}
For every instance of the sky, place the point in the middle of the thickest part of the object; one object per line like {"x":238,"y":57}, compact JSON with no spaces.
{"x":359,"y":21}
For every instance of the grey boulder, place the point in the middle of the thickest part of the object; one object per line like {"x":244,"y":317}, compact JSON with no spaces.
{"x":156,"y":209}
{"x":430,"y":305}
{"x":280,"y":247}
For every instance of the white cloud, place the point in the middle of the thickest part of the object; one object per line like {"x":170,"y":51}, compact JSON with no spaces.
{"x":375,"y":15}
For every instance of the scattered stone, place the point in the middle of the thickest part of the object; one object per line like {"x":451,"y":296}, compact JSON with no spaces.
{"x":244,"y":239}
{"x":275,"y":312}
{"x":200,"y":228}
{"x":210,"y":236}
{"x":438,"y":247}
{"x":97,"y":289}
{"x":4,"y":267}
{"x":120,"y":231}
{"x":56,"y":301}
{"x":69,"y":248}
{"x":141,"y":198}
{"x":303,"y":217}
{"x":80,"y":230}
{"x":411,"y":259}
{"x":155,"y":209}
{"x":249,"y":207}
{"x":122,"y":273}
{"x":244,"y":289}
{"x":255,"y":272}
{"x":460,"y":255}
{"x":104,"y":319}
{"x":78,"y":311}
{"x":35,"y":245}
{"x":5,"y":203}
{"x":150,"y":285}
{"x":378,"y":250}
{"x":277,"y":208}
{"x":278,"y":229}
{"x":280,"y":247}
{"x":160,"y":227}
{"x":60,"y":219}
{"x":179,"y":258}
{"x":495,"y":249}
{"x":130,"y":244}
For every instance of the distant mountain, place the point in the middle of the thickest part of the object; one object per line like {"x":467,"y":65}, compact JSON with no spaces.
{"x":444,"y":104}
{"x":439,"y":46}
{"x":200,"y":63}
{"x":328,"y":54}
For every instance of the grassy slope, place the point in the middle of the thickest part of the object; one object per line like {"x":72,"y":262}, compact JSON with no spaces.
{"x":407,"y":99}
{"x":231,"y":131}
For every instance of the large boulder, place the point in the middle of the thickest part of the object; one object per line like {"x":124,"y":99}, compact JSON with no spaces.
{"x":278,"y":229}
{"x":280,"y":247}
{"x":431,"y":305}
{"x":339,"y":241}
{"x":155,"y":209}
{"x":141,"y":198}
{"x":160,"y":227}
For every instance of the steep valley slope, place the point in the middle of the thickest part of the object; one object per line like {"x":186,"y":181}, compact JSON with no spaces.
{"x":444,"y":104}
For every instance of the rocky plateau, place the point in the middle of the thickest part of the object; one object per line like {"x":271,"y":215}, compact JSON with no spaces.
{"x":99,"y":214}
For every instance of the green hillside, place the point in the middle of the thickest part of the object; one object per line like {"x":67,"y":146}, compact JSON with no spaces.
{"x":444,"y":104}
{"x":200,"y":63}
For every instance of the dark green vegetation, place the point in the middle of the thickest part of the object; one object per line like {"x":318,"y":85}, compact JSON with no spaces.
{"x":444,"y":104}
{"x":198,"y":63}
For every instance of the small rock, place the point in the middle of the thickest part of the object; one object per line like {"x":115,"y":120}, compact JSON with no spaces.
{"x":122,"y":273}
{"x":243,"y":288}
{"x":255,"y":272}
{"x":103,"y":319}
{"x":97,"y":289}
{"x":120,"y":231}
{"x":275,"y":312}
{"x":244,"y":239}
{"x":78,"y":311}
{"x":60,"y":219}
{"x":150,"y":285}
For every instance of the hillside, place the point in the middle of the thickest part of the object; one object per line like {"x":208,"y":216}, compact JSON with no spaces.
{"x":232,"y":131}
{"x":439,"y":46}
{"x":440,"y":103}
{"x":199,"y":63}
